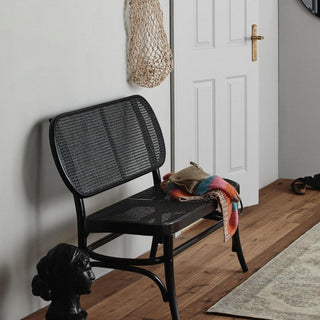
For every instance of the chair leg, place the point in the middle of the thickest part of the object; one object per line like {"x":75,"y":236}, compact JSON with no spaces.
{"x":154,"y":247}
{"x":169,"y":275}
{"x":236,"y":247}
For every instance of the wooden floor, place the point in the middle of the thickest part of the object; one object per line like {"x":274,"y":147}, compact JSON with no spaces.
{"x":208,"y":270}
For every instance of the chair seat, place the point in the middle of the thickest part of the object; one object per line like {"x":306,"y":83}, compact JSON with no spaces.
{"x":150,"y":212}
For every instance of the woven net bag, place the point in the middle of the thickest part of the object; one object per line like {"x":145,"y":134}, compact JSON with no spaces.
{"x":150,"y":56}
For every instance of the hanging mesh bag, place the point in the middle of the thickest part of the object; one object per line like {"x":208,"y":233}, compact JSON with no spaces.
{"x":150,"y":56}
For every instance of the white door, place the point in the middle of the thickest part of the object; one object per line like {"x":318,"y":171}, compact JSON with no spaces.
{"x":216,"y":90}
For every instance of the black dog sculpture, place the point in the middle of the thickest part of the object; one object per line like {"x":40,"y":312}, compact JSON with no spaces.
{"x":63,"y":275}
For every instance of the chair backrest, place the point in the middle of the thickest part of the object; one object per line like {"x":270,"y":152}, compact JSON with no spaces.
{"x":100,"y":147}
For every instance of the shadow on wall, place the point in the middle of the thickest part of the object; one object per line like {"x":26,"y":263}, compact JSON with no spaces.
{"x":4,"y":284}
{"x":126,"y":19}
{"x":44,"y":188}
{"x":128,"y":34}
{"x":36,"y":151}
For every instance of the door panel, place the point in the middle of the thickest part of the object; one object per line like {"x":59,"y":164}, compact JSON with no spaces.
{"x":236,"y":130}
{"x":204,"y":115}
{"x":216,"y":90}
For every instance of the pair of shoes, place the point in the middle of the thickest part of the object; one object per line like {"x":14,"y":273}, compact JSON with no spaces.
{"x":300,"y":185}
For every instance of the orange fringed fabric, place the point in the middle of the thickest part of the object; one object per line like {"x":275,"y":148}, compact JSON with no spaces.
{"x":215,"y":188}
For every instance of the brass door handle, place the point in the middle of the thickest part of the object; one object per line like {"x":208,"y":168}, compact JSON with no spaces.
{"x":254,"y":39}
{"x":257,"y":37}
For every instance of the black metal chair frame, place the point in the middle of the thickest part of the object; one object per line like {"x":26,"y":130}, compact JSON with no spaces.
{"x":78,"y":123}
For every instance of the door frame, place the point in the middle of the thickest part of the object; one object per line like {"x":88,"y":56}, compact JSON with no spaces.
{"x":172,"y":87}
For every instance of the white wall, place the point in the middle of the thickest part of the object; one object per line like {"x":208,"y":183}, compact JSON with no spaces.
{"x":268,"y":86}
{"x":61,"y":55}
{"x":55,"y":56}
{"x":299,"y":94}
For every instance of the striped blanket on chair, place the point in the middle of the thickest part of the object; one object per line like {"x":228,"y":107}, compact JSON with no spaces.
{"x":210,"y":187}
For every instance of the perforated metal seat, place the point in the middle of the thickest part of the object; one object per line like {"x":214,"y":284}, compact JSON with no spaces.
{"x":103,"y":146}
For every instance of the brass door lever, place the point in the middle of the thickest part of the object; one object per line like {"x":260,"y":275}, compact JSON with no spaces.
{"x":254,"y":39}
{"x":257,"y":38}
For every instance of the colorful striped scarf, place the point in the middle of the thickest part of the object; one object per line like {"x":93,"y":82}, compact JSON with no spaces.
{"x":212,"y":187}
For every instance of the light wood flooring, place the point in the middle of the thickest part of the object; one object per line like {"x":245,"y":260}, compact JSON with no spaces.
{"x":209,"y":270}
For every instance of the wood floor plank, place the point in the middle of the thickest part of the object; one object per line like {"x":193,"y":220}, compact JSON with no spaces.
{"x":209,"y":270}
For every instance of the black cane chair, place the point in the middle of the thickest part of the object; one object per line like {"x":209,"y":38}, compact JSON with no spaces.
{"x":100,"y":147}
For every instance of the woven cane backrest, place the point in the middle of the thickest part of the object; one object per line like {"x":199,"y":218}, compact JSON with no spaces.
{"x":103,"y":146}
